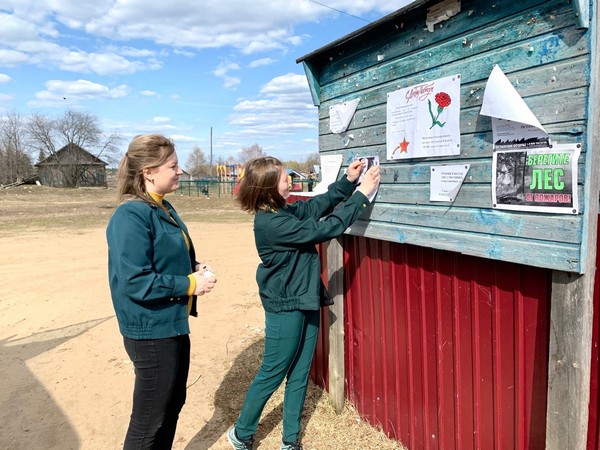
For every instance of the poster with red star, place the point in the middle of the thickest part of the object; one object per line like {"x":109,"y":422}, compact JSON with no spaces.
{"x":424,"y":120}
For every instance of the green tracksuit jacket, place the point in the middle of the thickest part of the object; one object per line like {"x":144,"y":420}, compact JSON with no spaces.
{"x":148,"y":268}
{"x":289,"y":275}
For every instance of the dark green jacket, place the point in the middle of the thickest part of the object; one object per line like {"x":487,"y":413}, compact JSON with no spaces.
{"x":289,"y":276}
{"x":148,"y":268}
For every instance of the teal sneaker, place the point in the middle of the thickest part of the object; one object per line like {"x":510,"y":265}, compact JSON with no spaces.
{"x":237,"y":443}
{"x":293,"y":446}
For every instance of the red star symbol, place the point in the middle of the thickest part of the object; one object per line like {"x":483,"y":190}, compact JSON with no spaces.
{"x":404,"y":146}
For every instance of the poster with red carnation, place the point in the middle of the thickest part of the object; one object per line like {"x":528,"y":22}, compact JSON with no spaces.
{"x":424,"y":120}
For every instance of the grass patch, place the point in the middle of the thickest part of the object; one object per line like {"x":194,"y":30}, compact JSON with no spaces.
{"x":30,"y":208}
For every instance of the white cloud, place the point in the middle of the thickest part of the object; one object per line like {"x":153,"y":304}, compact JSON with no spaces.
{"x":4,"y":78}
{"x":224,"y":68}
{"x":284,"y":106}
{"x":148,"y":93}
{"x":6,"y":97}
{"x":254,"y":26}
{"x":222,"y":72}
{"x":261,"y":62}
{"x":231,"y":82}
{"x":29,"y":29}
{"x":57,"y":91}
{"x":159,"y":119}
{"x":183,"y":138}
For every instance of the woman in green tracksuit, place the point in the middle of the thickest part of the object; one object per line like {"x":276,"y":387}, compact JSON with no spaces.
{"x":289,"y":282}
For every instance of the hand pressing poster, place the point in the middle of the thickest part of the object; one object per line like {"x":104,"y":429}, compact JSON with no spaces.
{"x":423,"y":120}
{"x":370,"y":162}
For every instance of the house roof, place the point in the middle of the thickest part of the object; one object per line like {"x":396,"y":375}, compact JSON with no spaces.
{"x":68,"y":150}
{"x":294,"y":173}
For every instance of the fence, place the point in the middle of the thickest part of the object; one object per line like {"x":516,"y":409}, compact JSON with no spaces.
{"x":223,"y":188}
{"x":206,"y":187}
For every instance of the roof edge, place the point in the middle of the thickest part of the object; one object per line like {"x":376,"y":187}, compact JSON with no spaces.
{"x":366,"y":29}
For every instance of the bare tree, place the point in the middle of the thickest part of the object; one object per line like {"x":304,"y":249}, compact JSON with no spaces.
{"x":248,"y":153}
{"x":197,"y":164}
{"x":69,"y":134}
{"x":311,"y":161}
{"x":15,"y":164}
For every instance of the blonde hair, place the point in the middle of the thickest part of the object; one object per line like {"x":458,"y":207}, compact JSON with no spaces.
{"x":145,"y":151}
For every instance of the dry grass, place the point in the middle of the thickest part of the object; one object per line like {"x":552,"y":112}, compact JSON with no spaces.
{"x":323,"y":428}
{"x":31,"y":208}
{"x":38,"y":208}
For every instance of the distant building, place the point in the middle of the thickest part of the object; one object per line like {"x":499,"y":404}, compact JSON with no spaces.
{"x":72,"y":166}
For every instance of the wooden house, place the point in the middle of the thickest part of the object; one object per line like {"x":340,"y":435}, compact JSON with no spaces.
{"x":459,"y":324}
{"x":72,"y":166}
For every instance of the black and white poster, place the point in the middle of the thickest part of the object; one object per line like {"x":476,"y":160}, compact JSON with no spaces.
{"x":541,"y":179}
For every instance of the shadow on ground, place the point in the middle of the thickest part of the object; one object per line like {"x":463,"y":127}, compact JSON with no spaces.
{"x":26,"y":405}
{"x":230,"y":396}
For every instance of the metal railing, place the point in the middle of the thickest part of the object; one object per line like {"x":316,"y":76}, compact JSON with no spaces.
{"x":223,"y":188}
{"x":206,"y":187}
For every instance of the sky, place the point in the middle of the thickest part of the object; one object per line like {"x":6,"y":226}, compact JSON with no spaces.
{"x":178,"y":67}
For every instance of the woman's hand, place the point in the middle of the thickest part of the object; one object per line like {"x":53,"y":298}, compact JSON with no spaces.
{"x":205,"y":281}
{"x":354,"y":169}
{"x":201,"y":267}
{"x":370,"y":181}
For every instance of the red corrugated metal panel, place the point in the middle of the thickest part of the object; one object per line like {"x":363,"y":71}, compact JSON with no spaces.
{"x":593,"y":442}
{"x":319,"y":371}
{"x":445,"y":351}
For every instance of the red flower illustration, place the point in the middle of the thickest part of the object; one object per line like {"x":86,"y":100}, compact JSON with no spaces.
{"x":443,"y":100}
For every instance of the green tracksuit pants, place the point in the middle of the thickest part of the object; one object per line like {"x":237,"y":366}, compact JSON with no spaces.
{"x":290,"y":341}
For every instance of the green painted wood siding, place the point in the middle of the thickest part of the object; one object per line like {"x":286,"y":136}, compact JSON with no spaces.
{"x":544,"y":52}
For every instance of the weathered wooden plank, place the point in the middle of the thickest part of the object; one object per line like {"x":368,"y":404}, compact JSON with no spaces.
{"x":545,"y":49}
{"x":470,"y":195}
{"x":582,"y":7}
{"x":410,"y":34}
{"x":564,"y":76}
{"x":473,"y":145}
{"x":364,"y":123}
{"x":313,"y":84}
{"x":538,"y":253}
{"x":571,"y":314}
{"x":337,"y":369}
{"x":418,"y":171}
{"x":563,"y":109}
{"x":556,"y":227}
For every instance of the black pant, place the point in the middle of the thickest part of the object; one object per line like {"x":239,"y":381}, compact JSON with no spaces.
{"x":161,"y":371}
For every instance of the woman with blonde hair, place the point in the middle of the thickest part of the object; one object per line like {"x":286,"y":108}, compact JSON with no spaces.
{"x":154,"y":283}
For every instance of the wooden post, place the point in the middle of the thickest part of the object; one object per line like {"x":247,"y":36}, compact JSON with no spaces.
{"x":337,"y":374}
{"x":571,"y":313}
{"x":569,"y":360}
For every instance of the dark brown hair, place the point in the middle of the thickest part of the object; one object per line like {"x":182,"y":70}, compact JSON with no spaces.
{"x":146,"y":151}
{"x":259,"y":188}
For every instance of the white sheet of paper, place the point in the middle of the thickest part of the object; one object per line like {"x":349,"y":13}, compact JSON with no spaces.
{"x":513,"y":135}
{"x":371,"y":161}
{"x":330,"y":167}
{"x":341,"y":114}
{"x":502,"y":100}
{"x":446,"y":181}
{"x":424,"y":120}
